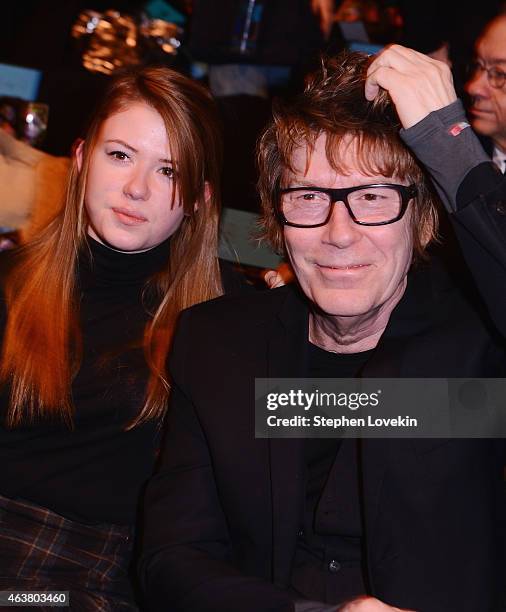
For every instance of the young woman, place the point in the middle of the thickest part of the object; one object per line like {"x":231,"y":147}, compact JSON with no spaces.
{"x":88,"y":313}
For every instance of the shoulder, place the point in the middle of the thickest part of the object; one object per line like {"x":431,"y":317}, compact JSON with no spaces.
{"x":232,"y":333}
{"x":232,"y":320}
{"x":251,"y":307}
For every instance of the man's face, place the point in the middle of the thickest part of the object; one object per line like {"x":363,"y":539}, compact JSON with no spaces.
{"x":488,"y":110}
{"x":347,"y":270}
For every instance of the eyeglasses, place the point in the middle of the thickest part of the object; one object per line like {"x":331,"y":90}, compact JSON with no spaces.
{"x":495,"y":77}
{"x":378,"y":204}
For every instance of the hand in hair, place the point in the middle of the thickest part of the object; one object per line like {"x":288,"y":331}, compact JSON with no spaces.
{"x":416,"y":83}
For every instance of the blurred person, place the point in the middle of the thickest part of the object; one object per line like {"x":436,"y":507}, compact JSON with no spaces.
{"x":487,"y":89}
{"x":32,"y":185}
{"x":371,"y":525}
{"x":88,"y":311}
{"x":282,"y":37}
{"x":382,"y":20}
{"x":254,"y":53}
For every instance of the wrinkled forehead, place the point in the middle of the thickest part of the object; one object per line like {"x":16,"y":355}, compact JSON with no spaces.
{"x":329,"y":156}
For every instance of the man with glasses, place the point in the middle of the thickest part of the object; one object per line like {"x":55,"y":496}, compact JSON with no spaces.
{"x":487,"y":88}
{"x":237,"y":523}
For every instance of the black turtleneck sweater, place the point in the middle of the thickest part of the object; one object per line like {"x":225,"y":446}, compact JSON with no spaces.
{"x":95,"y":472}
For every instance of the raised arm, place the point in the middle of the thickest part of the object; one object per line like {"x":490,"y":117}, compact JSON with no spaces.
{"x":469,"y":184}
{"x":416,"y":83}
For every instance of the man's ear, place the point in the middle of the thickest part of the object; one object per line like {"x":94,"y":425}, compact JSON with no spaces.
{"x":78,"y":152}
{"x":427,"y":232}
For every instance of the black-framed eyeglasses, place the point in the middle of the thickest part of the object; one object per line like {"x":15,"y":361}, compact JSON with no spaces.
{"x":495,"y":76}
{"x":377,"y":204}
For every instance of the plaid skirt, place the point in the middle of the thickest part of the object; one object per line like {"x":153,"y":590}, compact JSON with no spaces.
{"x":43,"y":551}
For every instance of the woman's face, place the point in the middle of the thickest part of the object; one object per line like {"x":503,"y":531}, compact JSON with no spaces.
{"x":130,"y":182}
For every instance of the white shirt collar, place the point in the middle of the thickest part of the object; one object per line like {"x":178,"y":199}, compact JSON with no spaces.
{"x":499,"y":158}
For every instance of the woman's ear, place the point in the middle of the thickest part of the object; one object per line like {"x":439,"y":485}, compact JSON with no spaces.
{"x":78,"y":152}
{"x":208,"y":193}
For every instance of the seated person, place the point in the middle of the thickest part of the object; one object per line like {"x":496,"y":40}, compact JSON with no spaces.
{"x":238,"y":523}
{"x":32,"y":186}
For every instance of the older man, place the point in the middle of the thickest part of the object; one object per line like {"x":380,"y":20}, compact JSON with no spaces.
{"x":487,"y":88}
{"x":236,"y":523}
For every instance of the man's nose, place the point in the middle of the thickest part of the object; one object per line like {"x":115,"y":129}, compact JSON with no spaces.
{"x":478,"y":85}
{"x":341,"y":230}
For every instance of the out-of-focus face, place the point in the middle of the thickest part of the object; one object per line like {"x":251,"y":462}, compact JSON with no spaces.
{"x":347,"y":270}
{"x":131,"y":182}
{"x":488,"y":110}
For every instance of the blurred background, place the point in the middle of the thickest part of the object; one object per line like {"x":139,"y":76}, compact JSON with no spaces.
{"x":56,"y":57}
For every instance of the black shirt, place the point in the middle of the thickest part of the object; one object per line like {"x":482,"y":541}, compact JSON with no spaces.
{"x":328,"y":561}
{"x":94,"y":473}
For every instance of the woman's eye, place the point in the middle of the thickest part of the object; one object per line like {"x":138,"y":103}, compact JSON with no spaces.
{"x":119,"y":155}
{"x":167,"y":171}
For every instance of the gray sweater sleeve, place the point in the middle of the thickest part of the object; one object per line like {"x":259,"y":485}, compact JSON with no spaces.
{"x":447,"y":146}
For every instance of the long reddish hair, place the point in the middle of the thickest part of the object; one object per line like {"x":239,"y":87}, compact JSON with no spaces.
{"x":41,"y":350}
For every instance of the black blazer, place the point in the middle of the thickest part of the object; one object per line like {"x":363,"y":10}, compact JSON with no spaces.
{"x":480,"y":226}
{"x":224,"y":510}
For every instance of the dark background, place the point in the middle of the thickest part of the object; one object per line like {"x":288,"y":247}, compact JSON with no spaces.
{"x":37,"y":34}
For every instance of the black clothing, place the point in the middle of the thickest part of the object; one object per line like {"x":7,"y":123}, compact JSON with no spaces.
{"x":224,"y":511}
{"x":474,"y":193}
{"x":327,"y":564}
{"x":331,"y":528}
{"x":324,"y":364}
{"x":94,"y":473}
